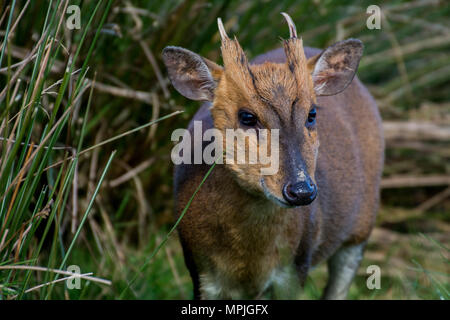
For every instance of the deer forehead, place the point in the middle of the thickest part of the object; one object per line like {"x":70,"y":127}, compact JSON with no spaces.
{"x":272,"y":85}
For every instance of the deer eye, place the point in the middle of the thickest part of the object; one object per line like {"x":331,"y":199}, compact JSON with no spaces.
{"x":311,"y":121}
{"x":247,"y":119}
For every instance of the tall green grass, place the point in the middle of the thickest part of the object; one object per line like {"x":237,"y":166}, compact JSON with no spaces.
{"x":35,"y":188}
{"x":34,"y":197}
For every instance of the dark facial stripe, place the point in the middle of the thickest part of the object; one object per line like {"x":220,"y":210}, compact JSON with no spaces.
{"x":273,"y":109}
{"x":292,"y":110}
{"x":261,"y":97}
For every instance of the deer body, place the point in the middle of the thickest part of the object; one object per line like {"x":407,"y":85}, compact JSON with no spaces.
{"x":238,"y":237}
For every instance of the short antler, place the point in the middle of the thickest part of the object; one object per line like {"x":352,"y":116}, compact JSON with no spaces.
{"x":295,"y":55}
{"x":223,"y":34}
{"x":292,"y":28}
{"x":234,"y":59}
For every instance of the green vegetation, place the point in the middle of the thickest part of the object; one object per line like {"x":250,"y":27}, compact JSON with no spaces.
{"x":86,"y":117}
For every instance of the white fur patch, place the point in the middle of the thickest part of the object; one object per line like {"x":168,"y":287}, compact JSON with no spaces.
{"x":278,"y":277}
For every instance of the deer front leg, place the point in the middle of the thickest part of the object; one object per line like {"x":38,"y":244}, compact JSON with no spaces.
{"x":342,"y":267}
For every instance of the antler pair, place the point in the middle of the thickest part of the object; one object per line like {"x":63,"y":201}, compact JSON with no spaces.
{"x":235,"y":61}
{"x":292,"y":28}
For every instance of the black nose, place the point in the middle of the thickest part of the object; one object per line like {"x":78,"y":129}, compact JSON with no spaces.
{"x":300,"y":193}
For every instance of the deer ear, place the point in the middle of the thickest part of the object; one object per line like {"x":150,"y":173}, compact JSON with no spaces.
{"x":193,"y":76}
{"x":335,"y":67}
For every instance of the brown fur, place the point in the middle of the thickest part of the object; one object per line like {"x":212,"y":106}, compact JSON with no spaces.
{"x":232,"y":234}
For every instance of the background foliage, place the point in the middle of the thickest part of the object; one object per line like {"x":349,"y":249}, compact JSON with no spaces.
{"x":72,"y":195}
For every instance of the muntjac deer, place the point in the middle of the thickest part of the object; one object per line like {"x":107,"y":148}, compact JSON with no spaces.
{"x":322,"y":201}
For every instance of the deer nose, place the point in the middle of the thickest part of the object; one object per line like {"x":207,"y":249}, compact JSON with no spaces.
{"x":300,"y":193}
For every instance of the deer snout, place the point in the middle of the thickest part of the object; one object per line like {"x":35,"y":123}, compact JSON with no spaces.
{"x":300,"y":193}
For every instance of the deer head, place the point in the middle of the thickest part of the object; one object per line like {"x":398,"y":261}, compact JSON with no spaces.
{"x":269,"y":96}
